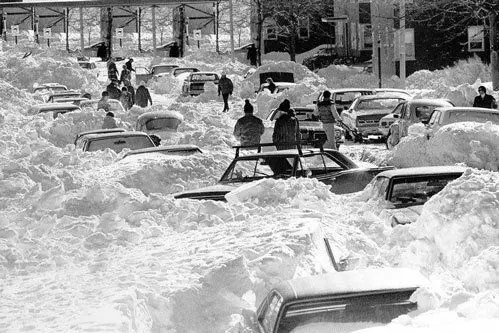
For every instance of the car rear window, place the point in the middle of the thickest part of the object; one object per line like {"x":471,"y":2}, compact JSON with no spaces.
{"x":481,"y":117}
{"x":162,"y":123}
{"x":179,"y":71}
{"x":119,"y":143}
{"x":203,"y":77}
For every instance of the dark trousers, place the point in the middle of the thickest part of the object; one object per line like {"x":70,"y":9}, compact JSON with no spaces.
{"x":226,"y":101}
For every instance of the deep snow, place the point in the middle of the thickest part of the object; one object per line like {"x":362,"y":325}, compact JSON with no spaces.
{"x":94,"y":242}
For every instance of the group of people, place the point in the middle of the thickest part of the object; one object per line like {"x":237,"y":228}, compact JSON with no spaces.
{"x":249,"y":128}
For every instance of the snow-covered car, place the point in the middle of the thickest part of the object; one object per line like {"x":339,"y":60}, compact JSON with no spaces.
{"x":144,"y":74}
{"x":73,"y":100}
{"x":311,"y":128}
{"x":157,"y":121}
{"x":343,"y":98}
{"x":87,"y":64}
{"x":321,"y":59}
{"x":401,"y":193}
{"x":339,"y":302}
{"x":54,"y":97}
{"x":394,"y":126}
{"x":49,"y":88}
{"x":115,"y":105}
{"x":116,"y":141}
{"x":326,"y":165}
{"x":182,"y":70}
{"x":394,"y":92}
{"x":449,"y":115}
{"x":183,"y":150}
{"x":194,"y":84}
{"x":363,"y":116}
{"x":54,"y":108}
{"x":282,"y":80}
{"x":97,"y":131}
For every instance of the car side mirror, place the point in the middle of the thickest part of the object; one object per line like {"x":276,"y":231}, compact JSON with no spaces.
{"x":396,"y":116}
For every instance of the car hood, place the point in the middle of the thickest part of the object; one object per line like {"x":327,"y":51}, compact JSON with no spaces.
{"x":216,"y":192}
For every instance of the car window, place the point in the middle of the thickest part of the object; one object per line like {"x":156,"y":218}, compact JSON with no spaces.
{"x":345,"y":315}
{"x":204,"y":77}
{"x":141,"y":71}
{"x":417,"y":191}
{"x":377,"y":104}
{"x":179,"y":71}
{"x":119,"y":143}
{"x":244,"y":170}
{"x":163,"y":69}
{"x":458,"y":116}
{"x":269,"y":317}
{"x":377,"y":188}
{"x":346,"y":98}
{"x":398,"y":109}
{"x":319,"y":161}
{"x":305,"y":115}
{"x":161,"y":124}
{"x":424,"y":111}
{"x":435,"y":117}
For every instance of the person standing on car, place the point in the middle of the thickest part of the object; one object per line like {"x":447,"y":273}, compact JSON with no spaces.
{"x":225,"y":87}
{"x":286,"y":128}
{"x":252,"y":54}
{"x":271,"y":85}
{"x":109,"y":121}
{"x":484,"y":100}
{"x":104,"y":102}
{"x":142,"y":95}
{"x":329,"y":116}
{"x":112,"y":71}
{"x":249,"y":128}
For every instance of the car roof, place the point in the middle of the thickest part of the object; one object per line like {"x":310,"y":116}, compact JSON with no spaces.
{"x":56,"y":106}
{"x":350,"y":90}
{"x":115,"y":135}
{"x":159,"y":114}
{"x":459,"y":108}
{"x":384,"y":96}
{"x":286,"y":152}
{"x":429,"y":101}
{"x":422,"y":171}
{"x":159,"y":149}
{"x":108,"y":130}
{"x":198,"y":73}
{"x":352,"y":282}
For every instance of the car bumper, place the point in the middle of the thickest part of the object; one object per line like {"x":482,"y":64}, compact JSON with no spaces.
{"x":384,"y":131}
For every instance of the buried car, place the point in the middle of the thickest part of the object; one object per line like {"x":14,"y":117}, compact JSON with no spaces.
{"x":326,"y":165}
{"x":157,"y":121}
{"x":55,"y":108}
{"x":282,"y":81}
{"x":339,"y":302}
{"x":311,"y":128}
{"x":449,"y":115}
{"x":116,"y":141}
{"x":144,"y":74}
{"x":49,"y":87}
{"x":403,"y":192}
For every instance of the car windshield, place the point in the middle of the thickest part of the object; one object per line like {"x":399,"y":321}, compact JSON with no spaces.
{"x":416,"y":191}
{"x":119,"y":143}
{"x":377,"y":188}
{"x":203,"y":77}
{"x":162,"y":123}
{"x":345,"y":315}
{"x":378,"y":104}
{"x":468,"y":115}
{"x":179,"y":71}
{"x":257,"y":168}
{"x":163,"y":69}
{"x":346,"y":98}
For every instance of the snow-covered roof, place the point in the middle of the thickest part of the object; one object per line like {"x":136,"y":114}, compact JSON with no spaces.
{"x":352,"y":282}
{"x":423,"y":171}
{"x":115,"y":135}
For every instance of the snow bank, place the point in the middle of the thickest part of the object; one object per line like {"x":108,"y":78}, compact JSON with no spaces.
{"x":474,"y":144}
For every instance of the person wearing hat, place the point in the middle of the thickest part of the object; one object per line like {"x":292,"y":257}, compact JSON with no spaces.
{"x":249,"y":128}
{"x":286,"y":128}
{"x":484,"y":100}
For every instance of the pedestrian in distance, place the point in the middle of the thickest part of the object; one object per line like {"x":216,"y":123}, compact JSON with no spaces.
{"x":129,"y":65}
{"x":249,"y":128}
{"x":252,"y":54}
{"x":225,"y":87}
{"x":103,"y":103}
{"x":109,"y":121}
{"x":271,"y":85}
{"x":126,"y":76}
{"x":329,"y":116}
{"x":112,"y":70}
{"x":102,"y":51}
{"x":125,"y":98}
{"x":113,"y":90}
{"x":286,"y":128}
{"x":142,"y":96}
{"x":484,"y":100}
{"x":131,"y":91}
{"x":174,"y":50}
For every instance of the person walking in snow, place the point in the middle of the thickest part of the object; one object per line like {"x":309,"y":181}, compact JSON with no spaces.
{"x":129,"y":66}
{"x":249,"y":128}
{"x":225,"y":87}
{"x":126,"y":76}
{"x":252,"y":54}
{"x":112,"y":71}
{"x":125,"y":98}
{"x":131,"y":91}
{"x":484,"y":100}
{"x":328,"y":116}
{"x":113,"y":90}
{"x":286,"y":128}
{"x":142,"y":96}
{"x":109,"y":121}
{"x":104,"y":102}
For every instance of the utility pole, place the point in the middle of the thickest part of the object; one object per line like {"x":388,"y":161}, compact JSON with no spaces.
{"x":494,"y":48}
{"x":402,"y":42}
{"x":109,"y":32}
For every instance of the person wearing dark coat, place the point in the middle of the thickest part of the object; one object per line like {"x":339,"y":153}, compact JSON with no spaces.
{"x":102,"y":52}
{"x":128,"y":65}
{"x":174,"y":50}
{"x":286,"y":128}
{"x":249,"y":129}
{"x":109,"y":121}
{"x":142,"y":96}
{"x":112,"y":71}
{"x":131,"y":90}
{"x":271,"y":85}
{"x":225,"y":87}
{"x":252,"y":55}
{"x":484,"y":100}
{"x":113,"y":90}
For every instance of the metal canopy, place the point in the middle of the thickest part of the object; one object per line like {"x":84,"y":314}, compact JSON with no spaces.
{"x":98,"y":3}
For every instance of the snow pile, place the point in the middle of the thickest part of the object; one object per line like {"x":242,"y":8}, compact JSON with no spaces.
{"x":474,"y":144}
{"x":166,"y":84}
{"x":457,"y":232}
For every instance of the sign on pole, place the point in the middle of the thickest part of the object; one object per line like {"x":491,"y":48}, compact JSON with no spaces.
{"x":47,"y":32}
{"x":14,"y":30}
{"x":119,"y":33}
{"x":197,"y":34}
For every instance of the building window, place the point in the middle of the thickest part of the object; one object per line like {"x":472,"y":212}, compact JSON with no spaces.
{"x":304,"y":28}
{"x":476,"y":39}
{"x":367,"y":37}
{"x":271,"y":32}
{"x":365,"y":13}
